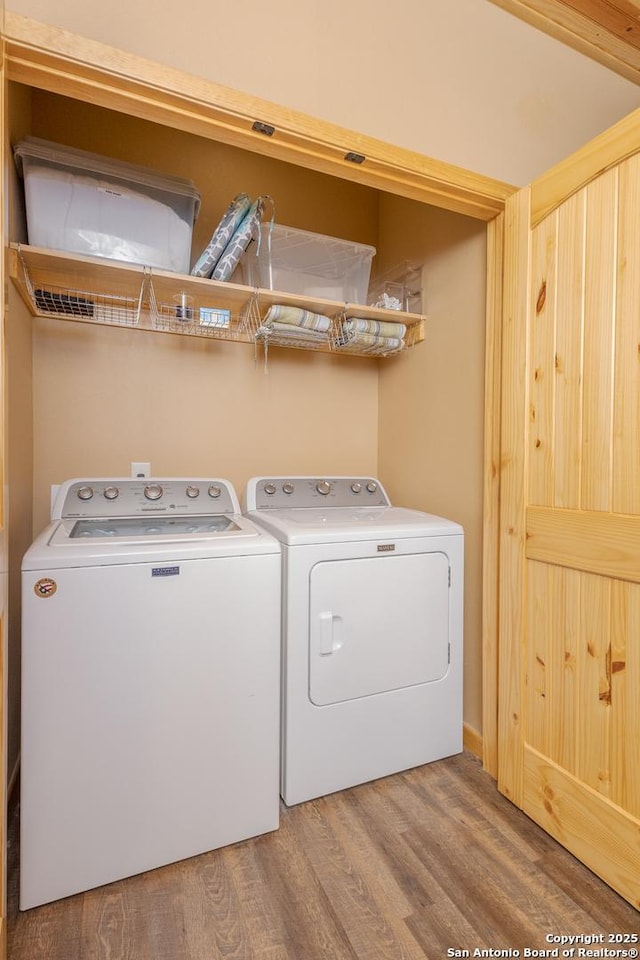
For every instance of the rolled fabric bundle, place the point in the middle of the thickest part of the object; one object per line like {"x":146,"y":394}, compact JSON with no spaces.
{"x":231,"y":220}
{"x":381,"y":328}
{"x":296,"y":317}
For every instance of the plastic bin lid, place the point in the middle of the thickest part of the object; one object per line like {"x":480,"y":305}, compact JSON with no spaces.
{"x":297,"y":236}
{"x":33,"y":148}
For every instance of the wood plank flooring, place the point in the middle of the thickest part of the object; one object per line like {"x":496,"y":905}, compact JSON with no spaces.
{"x":405,"y":868}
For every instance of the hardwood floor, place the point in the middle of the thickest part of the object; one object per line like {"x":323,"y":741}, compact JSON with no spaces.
{"x":401,"y":869}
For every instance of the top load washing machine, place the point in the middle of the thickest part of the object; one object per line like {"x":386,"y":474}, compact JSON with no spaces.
{"x":150,"y":682}
{"x":372,"y":631}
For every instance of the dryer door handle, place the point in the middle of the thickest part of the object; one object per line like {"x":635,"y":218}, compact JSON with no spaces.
{"x":330,"y":633}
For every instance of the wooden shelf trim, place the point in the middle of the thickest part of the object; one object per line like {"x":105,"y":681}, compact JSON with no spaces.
{"x":58,"y":61}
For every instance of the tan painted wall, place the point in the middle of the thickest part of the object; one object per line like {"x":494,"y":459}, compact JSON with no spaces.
{"x":432,"y":399}
{"x":106,"y":397}
{"x":463,"y":82}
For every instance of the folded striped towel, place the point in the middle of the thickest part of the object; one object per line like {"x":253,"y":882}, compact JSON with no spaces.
{"x":288,"y":331}
{"x":381,"y":328}
{"x":296,"y":317}
{"x":368,"y":342}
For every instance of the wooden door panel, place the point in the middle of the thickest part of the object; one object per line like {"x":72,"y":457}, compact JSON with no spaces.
{"x":597,"y":302}
{"x":568,"y":351}
{"x":626,"y":401}
{"x":569,"y":750}
{"x":593,"y":828}
{"x":542,"y":363}
{"x":593,"y":702}
{"x":563,"y":663}
{"x":625,"y":696}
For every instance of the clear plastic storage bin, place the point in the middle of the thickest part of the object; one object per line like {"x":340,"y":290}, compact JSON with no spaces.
{"x":309,"y":264}
{"x":399,"y":288}
{"x":84,"y":203}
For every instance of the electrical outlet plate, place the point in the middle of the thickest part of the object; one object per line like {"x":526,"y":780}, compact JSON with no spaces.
{"x":140,"y":470}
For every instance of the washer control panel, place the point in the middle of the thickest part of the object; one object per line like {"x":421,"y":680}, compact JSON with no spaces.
{"x":130,"y":498}
{"x":265,"y":493}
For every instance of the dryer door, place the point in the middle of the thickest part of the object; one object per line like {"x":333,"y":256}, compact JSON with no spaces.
{"x":377,"y":624}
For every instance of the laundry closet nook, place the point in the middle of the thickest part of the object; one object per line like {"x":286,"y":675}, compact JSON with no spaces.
{"x":88,"y":399}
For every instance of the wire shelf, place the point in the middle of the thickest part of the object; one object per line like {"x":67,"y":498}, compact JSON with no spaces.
{"x":295,"y":328}
{"x":50,"y":299}
{"x":188,"y":315}
{"x":371,"y":338}
{"x":94,"y":290}
{"x":86,"y":305}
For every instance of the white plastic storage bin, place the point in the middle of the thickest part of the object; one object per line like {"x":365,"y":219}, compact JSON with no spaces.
{"x":84,"y":203}
{"x":310,"y":264}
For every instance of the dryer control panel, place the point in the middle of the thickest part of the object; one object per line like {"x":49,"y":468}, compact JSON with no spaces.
{"x":124,"y":497}
{"x":265,"y":493}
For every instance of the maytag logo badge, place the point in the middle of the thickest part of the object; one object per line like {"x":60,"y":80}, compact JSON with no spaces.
{"x":386,"y":547}
{"x":165,"y":571}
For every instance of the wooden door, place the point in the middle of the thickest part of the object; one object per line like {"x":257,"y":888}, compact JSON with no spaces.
{"x":569,"y":665}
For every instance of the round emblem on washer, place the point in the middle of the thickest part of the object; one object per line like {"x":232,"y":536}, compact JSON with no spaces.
{"x":45,"y":587}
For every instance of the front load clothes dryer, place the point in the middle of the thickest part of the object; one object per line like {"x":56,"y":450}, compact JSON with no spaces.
{"x":371,"y":631}
{"x":150,"y":682}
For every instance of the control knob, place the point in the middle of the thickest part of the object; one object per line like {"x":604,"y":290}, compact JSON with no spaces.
{"x":287,"y":487}
{"x":192,"y":491}
{"x":323,"y":487}
{"x":153,"y":491}
{"x":110,"y":493}
{"x":356,"y":487}
{"x":84,"y":493}
{"x":215,"y":491}
{"x":372,"y":487}
{"x":270,"y":488}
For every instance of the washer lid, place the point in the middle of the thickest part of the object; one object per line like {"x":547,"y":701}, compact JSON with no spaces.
{"x":139,"y":528}
{"x":99,"y":542}
{"x":342,"y":524}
